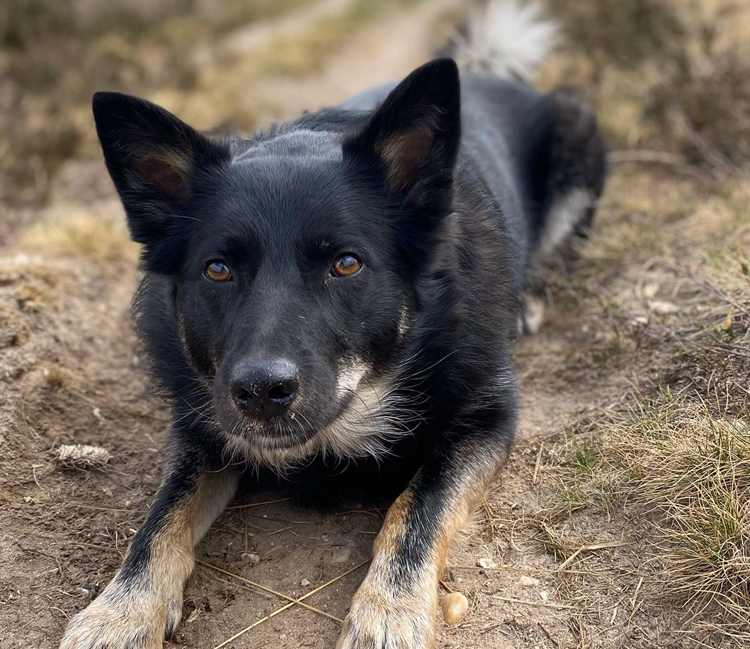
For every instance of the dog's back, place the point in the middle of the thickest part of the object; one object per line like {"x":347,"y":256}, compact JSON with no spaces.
{"x":542,"y":157}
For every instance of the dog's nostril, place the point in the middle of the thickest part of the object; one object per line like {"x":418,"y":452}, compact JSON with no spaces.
{"x":283,"y":391}
{"x":241,"y":395}
{"x":265,"y":389}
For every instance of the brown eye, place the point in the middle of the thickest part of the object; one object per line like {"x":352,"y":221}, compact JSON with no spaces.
{"x":217,"y":271}
{"x":346,"y":265}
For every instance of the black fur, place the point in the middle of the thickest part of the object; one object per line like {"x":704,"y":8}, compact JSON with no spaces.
{"x":444,"y":194}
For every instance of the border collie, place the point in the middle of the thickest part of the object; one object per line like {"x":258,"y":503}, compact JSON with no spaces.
{"x":331,"y":305}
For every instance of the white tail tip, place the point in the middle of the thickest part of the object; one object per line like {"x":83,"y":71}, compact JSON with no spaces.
{"x":507,"y":38}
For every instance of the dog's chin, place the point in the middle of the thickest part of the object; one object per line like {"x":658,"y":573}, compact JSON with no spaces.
{"x":268,"y":435}
{"x":276,"y":442}
{"x":284,"y":433}
{"x":280,"y":433}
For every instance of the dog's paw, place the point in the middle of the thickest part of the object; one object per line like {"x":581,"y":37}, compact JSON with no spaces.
{"x":123,"y":619}
{"x":378,"y":620}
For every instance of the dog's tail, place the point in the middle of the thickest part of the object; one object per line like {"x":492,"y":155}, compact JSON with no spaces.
{"x":505,"y":38}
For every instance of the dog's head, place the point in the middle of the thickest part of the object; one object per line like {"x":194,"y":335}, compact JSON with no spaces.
{"x":294,"y":257}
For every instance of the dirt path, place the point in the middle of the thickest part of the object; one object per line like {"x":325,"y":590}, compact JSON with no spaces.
{"x":70,"y":373}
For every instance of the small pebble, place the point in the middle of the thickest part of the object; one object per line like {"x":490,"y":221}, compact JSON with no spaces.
{"x":304,"y":583}
{"x":454,"y":607}
{"x":544,"y":595}
{"x":250,"y":557}
{"x":341,"y":555}
{"x":650,"y":290}
{"x":525,"y":580}
{"x":660,"y":307}
{"x":486,"y":563}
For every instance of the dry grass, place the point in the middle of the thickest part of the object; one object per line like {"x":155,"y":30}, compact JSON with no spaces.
{"x":663,"y":290}
{"x":54,"y":56}
{"x":665,"y":75}
{"x":94,"y":237}
{"x":13,"y":328}
{"x":621,"y":33}
{"x":677,"y":449}
{"x":694,"y":469}
{"x":676,"y":452}
{"x":688,"y":464}
{"x":35,"y":284}
{"x":701,"y":106}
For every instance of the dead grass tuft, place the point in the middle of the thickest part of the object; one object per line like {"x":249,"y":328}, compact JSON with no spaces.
{"x":665,"y":76}
{"x":692,"y":467}
{"x":96,"y":238}
{"x":681,"y":464}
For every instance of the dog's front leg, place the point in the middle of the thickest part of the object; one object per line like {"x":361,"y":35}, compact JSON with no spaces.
{"x":143,"y":603}
{"x":396,"y":605}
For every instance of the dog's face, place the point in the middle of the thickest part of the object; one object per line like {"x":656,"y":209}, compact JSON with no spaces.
{"x":295,"y":258}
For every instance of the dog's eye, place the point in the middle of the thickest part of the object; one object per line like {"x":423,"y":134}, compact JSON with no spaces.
{"x":217,"y":271}
{"x":346,"y":265}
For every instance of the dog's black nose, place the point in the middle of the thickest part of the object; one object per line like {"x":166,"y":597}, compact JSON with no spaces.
{"x":264,"y":389}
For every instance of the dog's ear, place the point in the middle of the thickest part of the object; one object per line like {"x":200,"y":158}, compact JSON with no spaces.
{"x":152,"y":157}
{"x":413,"y":137}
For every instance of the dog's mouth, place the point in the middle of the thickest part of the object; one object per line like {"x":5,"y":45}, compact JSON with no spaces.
{"x":284,"y":432}
{"x":276,"y":442}
{"x":291,"y":430}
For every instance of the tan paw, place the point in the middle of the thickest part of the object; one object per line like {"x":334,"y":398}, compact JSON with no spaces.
{"x":122,"y":618}
{"x":379,"y":620}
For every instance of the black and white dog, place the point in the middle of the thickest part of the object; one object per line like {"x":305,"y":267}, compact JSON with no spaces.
{"x":332,"y":302}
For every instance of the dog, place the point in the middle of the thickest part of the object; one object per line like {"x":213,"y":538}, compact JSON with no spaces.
{"x":332,"y":303}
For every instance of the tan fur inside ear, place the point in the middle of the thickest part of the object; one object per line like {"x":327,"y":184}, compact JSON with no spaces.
{"x":403,"y":154}
{"x":168,"y":169}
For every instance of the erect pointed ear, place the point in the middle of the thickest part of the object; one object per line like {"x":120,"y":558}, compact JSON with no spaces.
{"x":153,"y":158}
{"x":414,"y":135}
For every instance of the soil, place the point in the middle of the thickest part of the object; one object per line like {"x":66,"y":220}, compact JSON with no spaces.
{"x":70,"y":372}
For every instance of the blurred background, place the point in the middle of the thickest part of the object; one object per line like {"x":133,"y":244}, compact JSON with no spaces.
{"x":667,"y":74}
{"x":623,"y":518}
